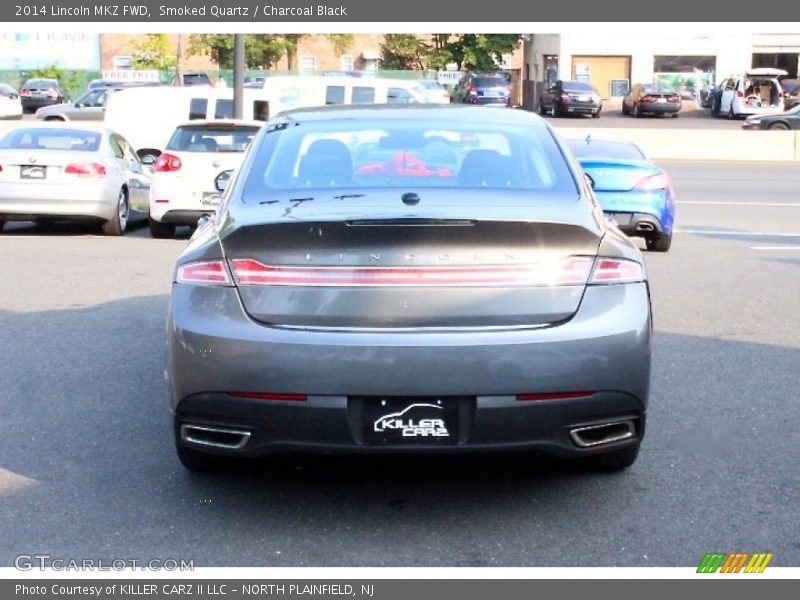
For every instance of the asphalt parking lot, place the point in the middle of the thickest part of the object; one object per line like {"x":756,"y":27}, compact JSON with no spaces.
{"x":87,"y":467}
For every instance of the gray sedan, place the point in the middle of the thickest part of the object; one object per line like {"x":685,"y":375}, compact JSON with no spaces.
{"x":353,"y":294}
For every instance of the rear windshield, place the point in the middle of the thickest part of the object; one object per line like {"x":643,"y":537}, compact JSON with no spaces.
{"x":211,"y":139}
{"x":657,"y":88}
{"x":577,"y":86}
{"x":603,"y":149}
{"x":40,"y":84}
{"x":386,"y":153}
{"x":51,"y":139}
{"x":489,"y":82}
{"x":430,"y":85}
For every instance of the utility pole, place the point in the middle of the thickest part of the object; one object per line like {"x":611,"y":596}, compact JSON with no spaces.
{"x":238,"y":75}
{"x":179,"y":69}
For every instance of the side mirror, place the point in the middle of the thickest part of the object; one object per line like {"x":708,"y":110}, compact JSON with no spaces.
{"x":222,"y":180}
{"x":589,"y":180}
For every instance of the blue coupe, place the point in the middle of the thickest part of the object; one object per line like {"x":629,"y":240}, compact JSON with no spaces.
{"x":632,"y":191}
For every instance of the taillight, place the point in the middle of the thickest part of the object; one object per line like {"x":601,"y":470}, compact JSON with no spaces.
{"x":472,"y":90}
{"x":52,"y":93}
{"x":648,"y":99}
{"x":269,"y":396}
{"x":653,"y":182}
{"x":675,"y":98}
{"x":740,"y":94}
{"x":616,"y":270}
{"x":212,"y":272}
{"x":24,"y":92}
{"x":167,"y":163}
{"x":85,"y":169}
{"x":571,"y":271}
{"x":566,"y":98}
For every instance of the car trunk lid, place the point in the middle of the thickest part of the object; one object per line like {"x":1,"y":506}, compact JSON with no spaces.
{"x":386,"y":265}
{"x":617,"y":175}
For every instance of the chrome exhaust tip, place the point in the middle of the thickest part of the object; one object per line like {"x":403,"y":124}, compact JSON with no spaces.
{"x":215,"y":437}
{"x":645,"y":226}
{"x":600,"y":435}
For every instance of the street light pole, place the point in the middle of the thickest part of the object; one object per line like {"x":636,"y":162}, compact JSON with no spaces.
{"x":238,"y":75}
{"x":179,"y":69}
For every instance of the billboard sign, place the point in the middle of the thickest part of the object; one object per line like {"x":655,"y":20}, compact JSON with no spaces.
{"x":19,"y":51}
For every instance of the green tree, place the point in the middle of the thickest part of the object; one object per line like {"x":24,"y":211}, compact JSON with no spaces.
{"x":260,"y":50}
{"x":480,"y":52}
{"x":404,"y":51}
{"x":154,"y":52}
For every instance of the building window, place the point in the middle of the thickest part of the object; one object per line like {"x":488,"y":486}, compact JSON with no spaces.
{"x":308,"y":64}
{"x":346,"y":63}
{"x":686,"y":74}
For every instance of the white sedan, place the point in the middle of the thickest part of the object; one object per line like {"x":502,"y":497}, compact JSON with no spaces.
{"x":183,"y":187}
{"x":62,"y":172}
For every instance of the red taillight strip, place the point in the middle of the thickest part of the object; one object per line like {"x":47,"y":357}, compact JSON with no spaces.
{"x":572,"y":271}
{"x":269,"y":396}
{"x":616,"y":270}
{"x":209,"y":272}
{"x":554,"y":396}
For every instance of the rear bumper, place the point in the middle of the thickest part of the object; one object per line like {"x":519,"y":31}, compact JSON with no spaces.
{"x":580,"y":107}
{"x":629,"y":209}
{"x":21,"y":202}
{"x":659,"y":109}
{"x":214,"y":347}
{"x":183,"y":217}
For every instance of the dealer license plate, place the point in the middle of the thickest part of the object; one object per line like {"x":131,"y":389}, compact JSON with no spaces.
{"x":410,"y":421}
{"x":32,"y":172}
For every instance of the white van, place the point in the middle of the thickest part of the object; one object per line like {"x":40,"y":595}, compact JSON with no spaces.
{"x":308,"y":91}
{"x":147,"y":116}
{"x":756,"y":92}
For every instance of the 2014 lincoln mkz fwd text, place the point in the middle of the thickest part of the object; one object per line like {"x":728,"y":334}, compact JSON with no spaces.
{"x":415,"y":279}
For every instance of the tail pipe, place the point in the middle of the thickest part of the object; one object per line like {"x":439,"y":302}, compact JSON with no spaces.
{"x":645,"y":226}
{"x":600,"y":435}
{"x":215,"y":437}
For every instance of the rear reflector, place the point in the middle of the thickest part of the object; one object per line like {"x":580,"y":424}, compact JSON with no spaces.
{"x":616,"y":270}
{"x":269,"y":396}
{"x":210,"y":272}
{"x":162,"y":201}
{"x":572,"y":271}
{"x":85,"y":169}
{"x":553,"y":396}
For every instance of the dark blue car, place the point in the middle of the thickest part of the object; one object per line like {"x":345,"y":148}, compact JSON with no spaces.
{"x":632,"y":191}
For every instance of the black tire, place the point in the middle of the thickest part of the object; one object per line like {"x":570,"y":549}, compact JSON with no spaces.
{"x":556,"y":109}
{"x":596,"y":115}
{"x":637,"y":112}
{"x":119,"y":222}
{"x":2,"y":225}
{"x":779,"y":126}
{"x":625,"y":110}
{"x":616,"y":460}
{"x":542,"y":110}
{"x":161,"y":231}
{"x":55,"y":119}
{"x":674,"y":115}
{"x":659,"y":243}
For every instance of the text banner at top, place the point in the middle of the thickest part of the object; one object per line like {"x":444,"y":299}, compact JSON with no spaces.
{"x":355,"y":11}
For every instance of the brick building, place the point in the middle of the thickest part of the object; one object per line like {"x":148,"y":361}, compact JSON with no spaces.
{"x":314,"y":53}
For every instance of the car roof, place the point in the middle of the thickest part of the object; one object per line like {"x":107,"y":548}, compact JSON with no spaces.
{"x":446,"y":112}
{"x":68,"y":125}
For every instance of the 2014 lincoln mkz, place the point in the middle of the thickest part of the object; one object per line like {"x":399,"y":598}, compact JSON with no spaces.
{"x":415,"y":279}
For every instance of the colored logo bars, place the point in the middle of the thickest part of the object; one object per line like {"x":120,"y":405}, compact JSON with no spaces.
{"x":734,"y":563}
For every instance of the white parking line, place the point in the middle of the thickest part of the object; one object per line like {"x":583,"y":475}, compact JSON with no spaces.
{"x":732,"y":233}
{"x":722,"y":203}
{"x":774,"y":247}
